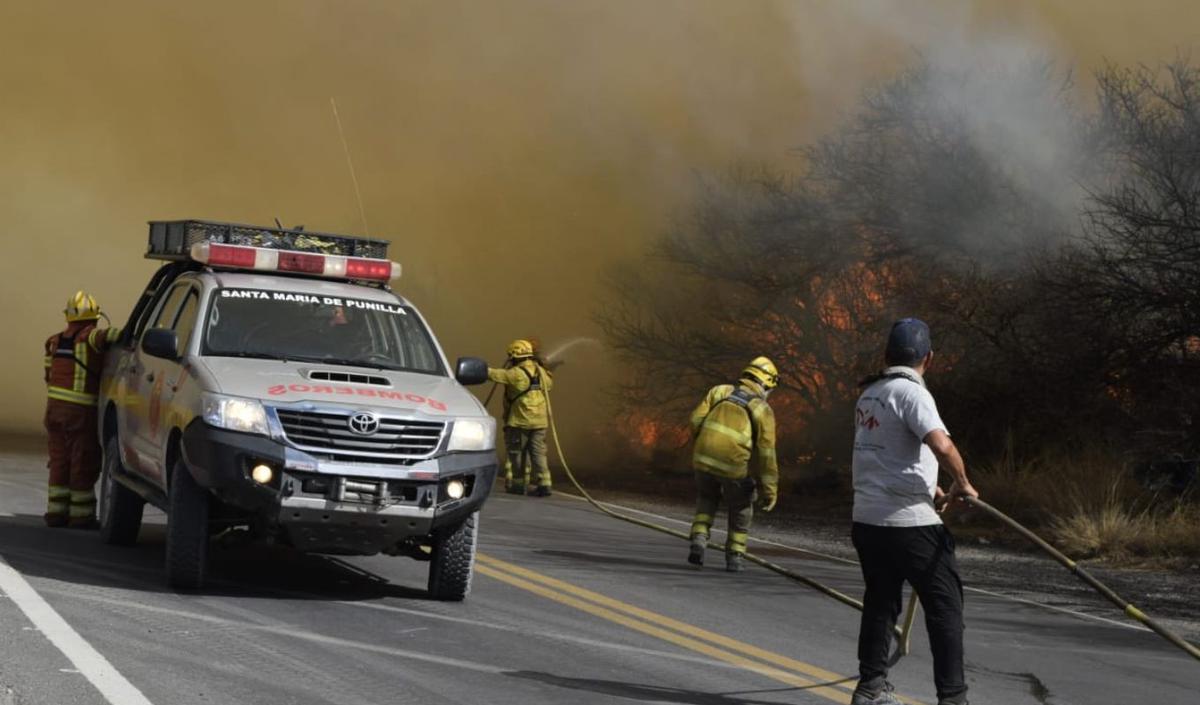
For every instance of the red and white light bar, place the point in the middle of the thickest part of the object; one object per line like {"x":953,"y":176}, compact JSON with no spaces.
{"x":318,"y":265}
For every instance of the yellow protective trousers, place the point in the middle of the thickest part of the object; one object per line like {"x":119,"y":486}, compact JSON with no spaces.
{"x":739,"y":499}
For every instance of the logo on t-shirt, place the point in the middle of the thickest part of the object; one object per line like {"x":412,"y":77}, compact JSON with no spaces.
{"x":866,"y":419}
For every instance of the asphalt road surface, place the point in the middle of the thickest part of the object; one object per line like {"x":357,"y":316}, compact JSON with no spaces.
{"x":568,"y":606}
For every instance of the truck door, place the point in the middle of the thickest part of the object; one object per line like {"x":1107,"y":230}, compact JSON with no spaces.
{"x":146,"y":380}
{"x":163,"y":417}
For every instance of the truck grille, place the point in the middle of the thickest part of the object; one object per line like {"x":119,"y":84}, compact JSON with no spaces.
{"x":328,"y":434}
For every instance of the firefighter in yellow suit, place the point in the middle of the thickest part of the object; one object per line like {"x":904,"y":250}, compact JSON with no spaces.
{"x":732,"y":424}
{"x":510,"y":486}
{"x":72,"y":373}
{"x":526,"y":415}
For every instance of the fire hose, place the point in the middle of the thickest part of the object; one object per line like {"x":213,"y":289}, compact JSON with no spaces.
{"x":1089,"y":579}
{"x":902,"y":633}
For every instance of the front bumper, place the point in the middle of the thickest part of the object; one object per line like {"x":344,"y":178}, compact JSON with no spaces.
{"x":330,"y":507}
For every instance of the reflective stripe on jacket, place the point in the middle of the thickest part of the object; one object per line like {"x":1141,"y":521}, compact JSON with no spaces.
{"x":524,"y":407}
{"x":728,"y":434}
{"x":73,"y":360}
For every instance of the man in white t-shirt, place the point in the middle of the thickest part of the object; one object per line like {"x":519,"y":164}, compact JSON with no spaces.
{"x":899,"y":443}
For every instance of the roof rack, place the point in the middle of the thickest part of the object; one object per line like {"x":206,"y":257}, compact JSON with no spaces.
{"x":173,"y":239}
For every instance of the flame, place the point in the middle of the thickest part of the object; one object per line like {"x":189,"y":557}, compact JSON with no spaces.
{"x":648,"y":433}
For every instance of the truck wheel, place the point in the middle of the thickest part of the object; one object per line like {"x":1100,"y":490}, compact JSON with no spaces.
{"x":187,"y":530}
{"x":453,"y":560}
{"x":120,"y":507}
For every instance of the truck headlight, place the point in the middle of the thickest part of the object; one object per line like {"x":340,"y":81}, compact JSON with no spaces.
{"x":473,"y":434}
{"x":235,"y":414}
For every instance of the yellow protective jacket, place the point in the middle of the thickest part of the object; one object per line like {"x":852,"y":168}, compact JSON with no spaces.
{"x":73,"y":360}
{"x":728,"y":433}
{"x":524,"y":401}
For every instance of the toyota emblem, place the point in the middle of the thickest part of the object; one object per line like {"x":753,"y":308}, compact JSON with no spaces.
{"x":364,"y":423}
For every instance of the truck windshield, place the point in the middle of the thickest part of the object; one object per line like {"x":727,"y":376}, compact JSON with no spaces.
{"x":281,"y":325}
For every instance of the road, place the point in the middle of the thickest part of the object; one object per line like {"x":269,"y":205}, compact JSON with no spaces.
{"x":567,"y":606}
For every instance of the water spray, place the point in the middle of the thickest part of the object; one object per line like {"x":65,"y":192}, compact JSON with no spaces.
{"x":555,"y":354}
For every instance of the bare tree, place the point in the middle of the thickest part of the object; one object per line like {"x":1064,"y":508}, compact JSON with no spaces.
{"x":1131,"y":286}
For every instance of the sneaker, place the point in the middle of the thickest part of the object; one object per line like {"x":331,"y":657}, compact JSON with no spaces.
{"x":734,"y":563}
{"x":881,"y":696}
{"x":696,"y":552}
{"x":515,"y":487}
{"x":960,"y":699}
{"x":543,"y":491}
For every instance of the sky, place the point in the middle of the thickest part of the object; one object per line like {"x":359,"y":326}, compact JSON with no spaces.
{"x":511,"y":150}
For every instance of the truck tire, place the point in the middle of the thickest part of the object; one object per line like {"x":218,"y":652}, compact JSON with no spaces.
{"x":120,"y":507}
{"x":453,"y":560}
{"x":187,"y":530}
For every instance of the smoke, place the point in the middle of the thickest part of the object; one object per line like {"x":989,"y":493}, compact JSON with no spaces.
{"x":510,"y":150}
{"x":1001,"y":109}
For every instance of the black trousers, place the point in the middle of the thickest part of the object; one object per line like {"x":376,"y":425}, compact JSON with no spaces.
{"x":924,"y":557}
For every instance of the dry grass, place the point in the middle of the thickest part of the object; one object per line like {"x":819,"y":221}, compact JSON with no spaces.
{"x":1090,"y":507}
{"x":1125,"y":536}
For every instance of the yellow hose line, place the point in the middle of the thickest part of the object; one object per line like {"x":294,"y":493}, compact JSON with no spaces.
{"x":901,"y":634}
{"x":1087,"y":578}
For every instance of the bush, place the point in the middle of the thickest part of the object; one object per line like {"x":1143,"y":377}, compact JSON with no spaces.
{"x":1089,"y":506}
{"x":1125,"y":535}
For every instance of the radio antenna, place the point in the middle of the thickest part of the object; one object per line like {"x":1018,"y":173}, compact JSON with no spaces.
{"x":350,"y":162}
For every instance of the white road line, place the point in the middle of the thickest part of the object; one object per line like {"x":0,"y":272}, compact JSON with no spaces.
{"x":23,"y":485}
{"x":839,"y":559}
{"x":99,"y":672}
{"x":299,"y":594}
{"x":554,"y":636}
{"x":294,"y":633}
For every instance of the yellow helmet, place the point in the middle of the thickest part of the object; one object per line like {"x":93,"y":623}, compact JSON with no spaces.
{"x":81,"y":307}
{"x":762,"y":371}
{"x":520,"y":349}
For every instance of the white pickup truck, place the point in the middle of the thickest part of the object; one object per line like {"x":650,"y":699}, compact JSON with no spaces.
{"x":269,"y":380}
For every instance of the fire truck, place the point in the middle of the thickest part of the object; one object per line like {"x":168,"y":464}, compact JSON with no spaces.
{"x":270,"y":383}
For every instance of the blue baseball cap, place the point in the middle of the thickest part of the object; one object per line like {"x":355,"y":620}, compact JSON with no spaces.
{"x":908,"y":343}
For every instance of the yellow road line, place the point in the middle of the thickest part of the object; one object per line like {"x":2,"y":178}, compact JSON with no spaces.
{"x":838,"y":696}
{"x":662,"y":620}
{"x":610,"y":604}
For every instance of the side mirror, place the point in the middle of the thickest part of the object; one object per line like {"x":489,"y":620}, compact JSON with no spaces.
{"x":471,"y":370}
{"x":161,"y":342}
